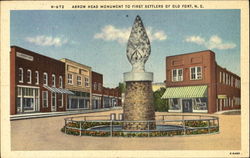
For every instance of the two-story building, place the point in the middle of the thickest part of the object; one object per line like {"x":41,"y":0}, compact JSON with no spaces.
{"x":78,"y":80}
{"x":97,"y":87}
{"x":111,"y":97}
{"x":36,"y":82}
{"x":228,"y":90}
{"x":195,"y":83}
{"x":43,"y":84}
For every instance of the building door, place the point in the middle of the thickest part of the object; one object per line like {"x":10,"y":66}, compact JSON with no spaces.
{"x":187,"y":105}
{"x":221,"y":103}
{"x":53,"y":101}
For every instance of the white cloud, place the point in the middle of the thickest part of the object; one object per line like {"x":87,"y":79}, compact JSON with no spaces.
{"x":214,"y":42}
{"x":195,"y":39}
{"x":47,"y":40}
{"x":121,"y":35}
{"x":111,"y":33}
{"x":155,"y":35}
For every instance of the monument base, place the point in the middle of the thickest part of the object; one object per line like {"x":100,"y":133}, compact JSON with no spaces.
{"x":138,"y":106}
{"x":138,"y":76}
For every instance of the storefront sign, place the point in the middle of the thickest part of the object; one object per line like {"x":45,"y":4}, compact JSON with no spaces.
{"x":72,"y":69}
{"x":84,"y":72}
{"x":24,"y":56}
{"x":222,"y":96}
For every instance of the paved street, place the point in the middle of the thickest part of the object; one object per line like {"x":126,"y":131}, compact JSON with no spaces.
{"x":45,"y":134}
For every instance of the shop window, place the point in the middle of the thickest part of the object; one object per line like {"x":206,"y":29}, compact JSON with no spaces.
{"x":174,"y":104}
{"x":200,"y":104}
{"x":37,"y":77}
{"x":28,"y":103}
{"x":195,"y":73}
{"x":74,"y":103}
{"x":81,"y":103}
{"x":79,"y":80}
{"x":20,"y":75}
{"x":29,"y":76}
{"x":87,"y":103}
{"x":45,"y":98}
{"x":177,"y":75}
{"x":60,"y":100}
{"x":45,"y":78}
{"x":70,"y":79}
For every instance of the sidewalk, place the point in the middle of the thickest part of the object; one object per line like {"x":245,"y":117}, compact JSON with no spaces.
{"x":54,"y":114}
{"x":227,"y":111}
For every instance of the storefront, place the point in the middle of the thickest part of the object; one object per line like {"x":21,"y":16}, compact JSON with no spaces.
{"x":78,"y":101}
{"x":187,"y":99}
{"x":106,"y":101}
{"x":225,"y":102}
{"x":114,"y":102}
{"x":96,"y":101}
{"x":57,"y":96}
{"x":27,"y":99}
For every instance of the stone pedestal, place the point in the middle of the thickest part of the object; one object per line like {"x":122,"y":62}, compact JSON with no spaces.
{"x":138,"y":105}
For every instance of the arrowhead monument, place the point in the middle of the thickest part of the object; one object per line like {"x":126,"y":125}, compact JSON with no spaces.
{"x":138,"y":105}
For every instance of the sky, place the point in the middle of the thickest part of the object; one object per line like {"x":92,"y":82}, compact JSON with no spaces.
{"x":98,"y":38}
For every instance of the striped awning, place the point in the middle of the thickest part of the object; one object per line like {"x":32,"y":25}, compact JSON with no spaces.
{"x":185,"y":92}
{"x":58,"y":90}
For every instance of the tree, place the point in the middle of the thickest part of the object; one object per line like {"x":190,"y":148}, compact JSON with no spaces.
{"x":160,"y":104}
{"x":122,"y":87}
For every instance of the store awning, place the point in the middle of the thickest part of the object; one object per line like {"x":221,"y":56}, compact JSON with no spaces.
{"x":58,"y":90}
{"x":185,"y":92}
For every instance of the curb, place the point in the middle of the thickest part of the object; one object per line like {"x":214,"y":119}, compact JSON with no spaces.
{"x":55,"y":114}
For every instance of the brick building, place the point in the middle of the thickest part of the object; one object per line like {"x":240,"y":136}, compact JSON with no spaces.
{"x":115,"y":95}
{"x":111,"y":97}
{"x":36,"y":82}
{"x":97,"y":87}
{"x":195,"y":83}
{"x":78,"y":80}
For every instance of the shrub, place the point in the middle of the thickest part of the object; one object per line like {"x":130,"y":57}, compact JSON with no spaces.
{"x":86,"y":125}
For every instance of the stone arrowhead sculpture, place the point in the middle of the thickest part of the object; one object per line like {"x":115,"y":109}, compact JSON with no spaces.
{"x":138,"y":47}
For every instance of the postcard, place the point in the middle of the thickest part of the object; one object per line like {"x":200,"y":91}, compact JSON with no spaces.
{"x":124,"y":79}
